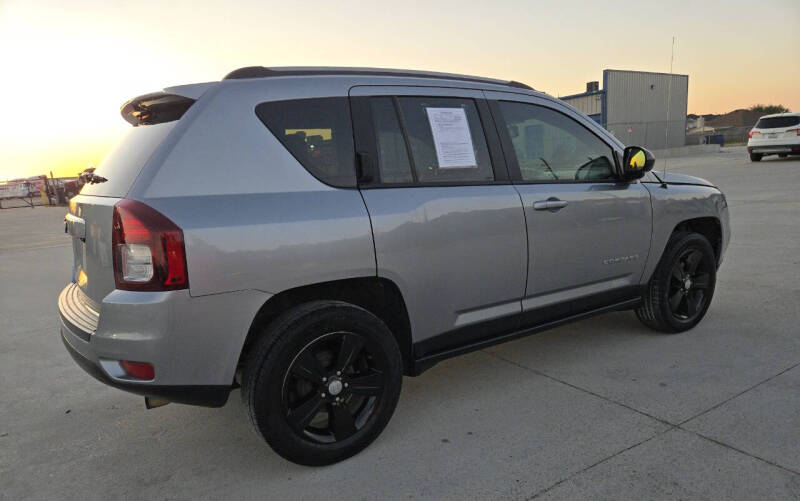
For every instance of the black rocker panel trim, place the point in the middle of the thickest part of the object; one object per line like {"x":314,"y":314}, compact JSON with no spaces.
{"x":481,"y":335}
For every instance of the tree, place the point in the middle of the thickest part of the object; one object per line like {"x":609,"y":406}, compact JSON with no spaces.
{"x":769,"y":109}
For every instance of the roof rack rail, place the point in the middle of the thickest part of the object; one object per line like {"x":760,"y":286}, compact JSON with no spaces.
{"x":262,"y":72}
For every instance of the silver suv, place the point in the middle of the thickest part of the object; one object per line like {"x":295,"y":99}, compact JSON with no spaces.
{"x":311,"y":235}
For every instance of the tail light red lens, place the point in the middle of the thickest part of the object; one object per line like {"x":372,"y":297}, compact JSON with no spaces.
{"x":149,"y":253}
{"x":753,"y":133}
{"x":138,"y":370}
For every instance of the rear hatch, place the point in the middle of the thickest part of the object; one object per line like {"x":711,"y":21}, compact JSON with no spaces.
{"x":777,"y":129}
{"x":90,"y":216}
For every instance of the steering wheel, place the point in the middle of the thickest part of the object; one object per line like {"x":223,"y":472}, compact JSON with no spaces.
{"x":585,"y":167}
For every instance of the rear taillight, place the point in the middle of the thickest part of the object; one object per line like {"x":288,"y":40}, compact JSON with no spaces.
{"x":149,"y":254}
{"x":753,"y":133}
{"x":796,"y":131}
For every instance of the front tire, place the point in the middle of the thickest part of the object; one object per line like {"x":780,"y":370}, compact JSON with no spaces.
{"x":682,"y":286}
{"x":322,"y":381}
{"x":756,"y":157}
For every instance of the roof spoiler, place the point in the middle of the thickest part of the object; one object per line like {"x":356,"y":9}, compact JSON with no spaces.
{"x":155,"y":108}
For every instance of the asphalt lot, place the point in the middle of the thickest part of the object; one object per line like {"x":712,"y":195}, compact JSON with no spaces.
{"x":603,"y":408}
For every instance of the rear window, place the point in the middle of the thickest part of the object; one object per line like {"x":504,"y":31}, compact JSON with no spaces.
{"x":318,"y":133}
{"x":122,"y":164}
{"x":777,"y":122}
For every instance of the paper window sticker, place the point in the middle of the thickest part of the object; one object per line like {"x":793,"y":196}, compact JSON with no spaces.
{"x":452,"y":138}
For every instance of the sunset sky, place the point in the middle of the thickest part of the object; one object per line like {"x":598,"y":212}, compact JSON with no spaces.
{"x":66,"y":67}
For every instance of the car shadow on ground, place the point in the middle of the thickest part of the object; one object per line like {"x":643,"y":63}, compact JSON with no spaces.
{"x":775,"y":158}
{"x":458,"y":376}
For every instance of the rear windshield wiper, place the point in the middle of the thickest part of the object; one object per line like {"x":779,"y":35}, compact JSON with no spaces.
{"x":95,"y":179}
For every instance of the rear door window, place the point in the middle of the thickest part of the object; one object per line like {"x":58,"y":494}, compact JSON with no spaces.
{"x":446,"y":140}
{"x":777,"y":122}
{"x":318,"y":133}
{"x":429,"y":140}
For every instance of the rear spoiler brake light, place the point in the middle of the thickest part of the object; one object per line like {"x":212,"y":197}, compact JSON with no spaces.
{"x":155,"y":108}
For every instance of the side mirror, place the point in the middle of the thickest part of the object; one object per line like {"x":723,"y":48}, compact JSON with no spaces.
{"x":635,"y":162}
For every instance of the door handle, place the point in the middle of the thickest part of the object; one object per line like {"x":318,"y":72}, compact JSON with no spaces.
{"x":552,"y":204}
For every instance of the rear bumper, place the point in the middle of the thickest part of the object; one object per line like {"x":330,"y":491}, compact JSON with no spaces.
{"x":193,"y":343}
{"x":208,"y":396}
{"x":792,"y":149}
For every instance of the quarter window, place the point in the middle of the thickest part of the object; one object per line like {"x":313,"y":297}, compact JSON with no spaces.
{"x":318,"y":133}
{"x":551,"y":147}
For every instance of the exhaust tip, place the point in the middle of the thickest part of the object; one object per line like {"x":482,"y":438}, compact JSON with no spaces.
{"x":152,"y":402}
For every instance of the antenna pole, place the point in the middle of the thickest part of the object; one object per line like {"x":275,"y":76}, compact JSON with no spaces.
{"x":669,"y":102}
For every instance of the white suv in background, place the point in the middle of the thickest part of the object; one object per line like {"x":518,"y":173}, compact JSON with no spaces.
{"x":775,"y":134}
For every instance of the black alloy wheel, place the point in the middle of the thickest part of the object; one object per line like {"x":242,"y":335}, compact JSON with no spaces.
{"x":322,"y":381}
{"x":332,"y":387}
{"x":689,"y":282}
{"x":682,"y":285}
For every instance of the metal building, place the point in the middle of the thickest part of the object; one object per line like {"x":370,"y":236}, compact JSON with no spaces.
{"x":640,"y":108}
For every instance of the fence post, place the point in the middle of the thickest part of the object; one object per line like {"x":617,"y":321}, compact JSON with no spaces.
{"x":46,"y":192}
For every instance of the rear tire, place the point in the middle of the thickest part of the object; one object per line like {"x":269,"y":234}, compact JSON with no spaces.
{"x":756,"y":157}
{"x":682,"y":286}
{"x":322,"y":381}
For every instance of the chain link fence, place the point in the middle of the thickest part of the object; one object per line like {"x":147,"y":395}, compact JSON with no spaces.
{"x":651,"y":135}
{"x":720,"y":135}
{"x":40,"y":190}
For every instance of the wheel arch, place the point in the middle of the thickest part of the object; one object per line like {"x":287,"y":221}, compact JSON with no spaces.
{"x":378,"y":295}
{"x":708,"y":223}
{"x":710,"y":227}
